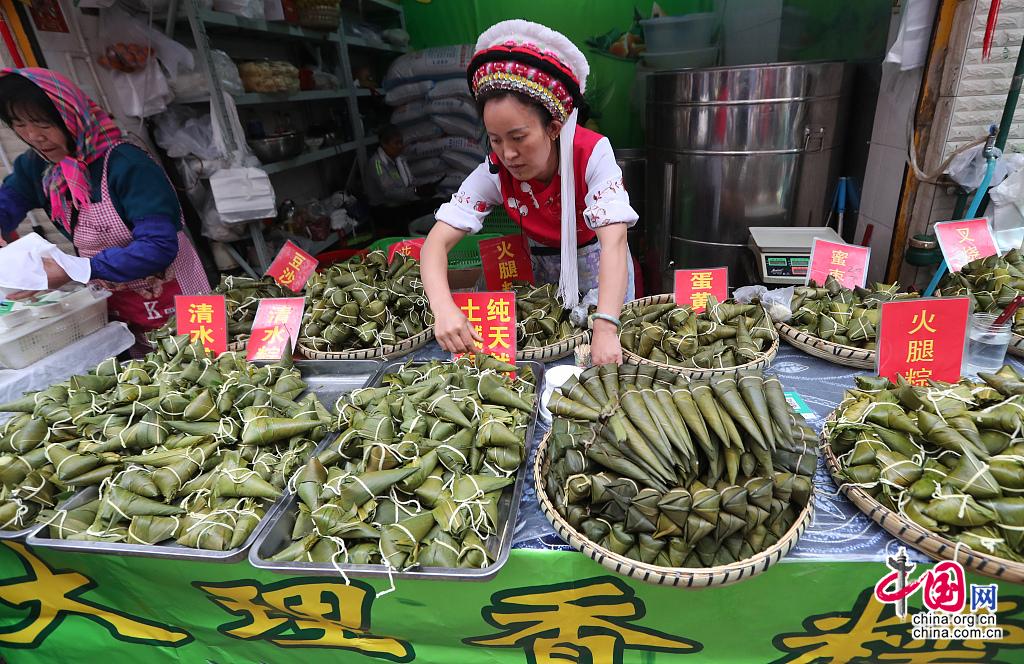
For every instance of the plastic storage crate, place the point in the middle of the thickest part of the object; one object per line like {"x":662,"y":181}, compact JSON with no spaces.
{"x":500,"y":223}
{"x":464,"y":255}
{"x":31,"y":342}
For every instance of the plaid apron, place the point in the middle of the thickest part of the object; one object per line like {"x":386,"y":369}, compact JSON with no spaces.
{"x":144,"y":304}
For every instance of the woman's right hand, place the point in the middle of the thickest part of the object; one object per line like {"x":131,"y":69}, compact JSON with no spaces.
{"x":453,"y":331}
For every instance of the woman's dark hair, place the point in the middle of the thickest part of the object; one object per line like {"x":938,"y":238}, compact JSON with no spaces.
{"x":496,"y":93}
{"x":21,"y":99}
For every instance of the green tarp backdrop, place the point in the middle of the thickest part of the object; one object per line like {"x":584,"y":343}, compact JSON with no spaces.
{"x":543,"y":607}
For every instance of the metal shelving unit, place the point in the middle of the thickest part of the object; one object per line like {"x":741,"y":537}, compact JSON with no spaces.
{"x":208,"y":26}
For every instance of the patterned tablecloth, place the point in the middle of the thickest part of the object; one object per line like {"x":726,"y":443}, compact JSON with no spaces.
{"x":839,"y":530}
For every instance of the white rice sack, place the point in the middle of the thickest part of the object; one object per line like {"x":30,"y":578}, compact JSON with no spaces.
{"x":409,"y":92}
{"x":456,"y":87}
{"x":456,"y":125}
{"x":430,"y":64}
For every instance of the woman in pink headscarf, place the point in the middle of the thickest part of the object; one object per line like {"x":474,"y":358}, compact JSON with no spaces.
{"x":108,"y":197}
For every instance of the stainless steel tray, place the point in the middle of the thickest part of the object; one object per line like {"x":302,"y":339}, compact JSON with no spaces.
{"x":328,"y":379}
{"x":277,"y":535}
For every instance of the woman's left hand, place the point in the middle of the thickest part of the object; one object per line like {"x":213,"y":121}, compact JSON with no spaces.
{"x":604,"y":346}
{"x":55,"y":278}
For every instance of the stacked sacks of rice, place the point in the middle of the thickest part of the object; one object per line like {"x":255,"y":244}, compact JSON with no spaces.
{"x":434,"y":109}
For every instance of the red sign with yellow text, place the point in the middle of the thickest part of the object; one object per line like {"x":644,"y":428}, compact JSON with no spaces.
{"x":506,"y":259}
{"x":205,"y":319}
{"x":965,"y":241}
{"x":277,"y":322}
{"x":694,"y":286}
{"x":493,"y":316}
{"x":411,"y":248}
{"x":848,"y":263}
{"x":923,"y":339}
{"x":292,"y":267}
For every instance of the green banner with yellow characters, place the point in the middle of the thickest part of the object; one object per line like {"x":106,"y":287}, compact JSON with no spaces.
{"x":543,"y":607}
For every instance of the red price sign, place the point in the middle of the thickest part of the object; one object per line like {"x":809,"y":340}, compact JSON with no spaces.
{"x":965,"y":241}
{"x":694,"y":286}
{"x":848,"y":263}
{"x":277,"y":321}
{"x":411,"y":248}
{"x":923,"y":339}
{"x":292,"y":267}
{"x":506,"y":259}
{"x":493,"y":316}
{"x":205,"y":319}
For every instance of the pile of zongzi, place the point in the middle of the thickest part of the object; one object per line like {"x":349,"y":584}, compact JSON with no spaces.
{"x":242,"y":297}
{"x":724,"y":335}
{"x":945,"y":456}
{"x":677,"y":472}
{"x":183,"y":446}
{"x":365,"y":303}
{"x":991,"y":283}
{"x":541,"y":320}
{"x":415,"y":476}
{"x":849,"y":317}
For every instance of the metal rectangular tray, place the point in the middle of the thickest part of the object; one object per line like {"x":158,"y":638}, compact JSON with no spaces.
{"x":328,"y":379}
{"x":278,"y":534}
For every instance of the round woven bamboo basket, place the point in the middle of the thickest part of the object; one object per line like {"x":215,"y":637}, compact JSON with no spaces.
{"x":405,"y":347}
{"x":629,"y":356}
{"x":1016,"y":346}
{"x":931,"y":544}
{"x":692,"y":578}
{"x":552,"y":352}
{"x":849,"y":356}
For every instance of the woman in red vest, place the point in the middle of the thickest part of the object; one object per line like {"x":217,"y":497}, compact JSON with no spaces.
{"x":558,"y":181}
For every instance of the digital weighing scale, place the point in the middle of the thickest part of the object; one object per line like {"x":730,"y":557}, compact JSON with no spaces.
{"x":783,"y":254}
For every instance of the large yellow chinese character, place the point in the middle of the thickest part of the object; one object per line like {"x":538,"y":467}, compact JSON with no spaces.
{"x":700,"y":300}
{"x":274,"y":334}
{"x":470,"y":310}
{"x":839,"y":257}
{"x":498,"y":310}
{"x":971,"y":251}
{"x":965,"y":234}
{"x":580,"y":621}
{"x":50,"y":596}
{"x":200,"y":313}
{"x":923,"y":321}
{"x":918,"y":377}
{"x":505,"y":250}
{"x":872,"y":632}
{"x":498,"y":336}
{"x":297,"y":261}
{"x":700,"y":281}
{"x":287,"y":277}
{"x":508,"y":270}
{"x":837,"y":274}
{"x":202,"y":334}
{"x":306,"y":613}
{"x":921,"y":350}
{"x":279,"y":315}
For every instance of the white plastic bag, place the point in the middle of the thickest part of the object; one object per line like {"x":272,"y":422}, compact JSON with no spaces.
{"x":143,"y":93}
{"x":458,"y":126}
{"x":1008,"y":217}
{"x":456,"y":87}
{"x":191,"y":83}
{"x":776,"y":301}
{"x":21,"y":264}
{"x":244,"y":8}
{"x":431,"y":64}
{"x":180,"y":131}
{"x":216,"y":229}
{"x":409,"y":92}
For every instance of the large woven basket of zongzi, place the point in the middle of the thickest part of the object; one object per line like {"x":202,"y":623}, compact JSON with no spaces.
{"x":544,"y":328}
{"x":676,"y":481}
{"x":937,"y":467}
{"x":366,"y":308}
{"x":838,"y":324}
{"x":849,"y":356}
{"x":991,"y":283}
{"x":391,"y":351}
{"x":724,"y":338}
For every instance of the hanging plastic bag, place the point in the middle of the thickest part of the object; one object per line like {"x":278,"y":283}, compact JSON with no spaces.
{"x":191,"y":83}
{"x":245,"y":8}
{"x":242,"y":192}
{"x":1008,"y":217}
{"x":143,"y":93}
{"x":181,"y":132}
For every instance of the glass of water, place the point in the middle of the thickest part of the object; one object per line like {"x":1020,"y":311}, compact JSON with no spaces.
{"x":987,"y":343}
